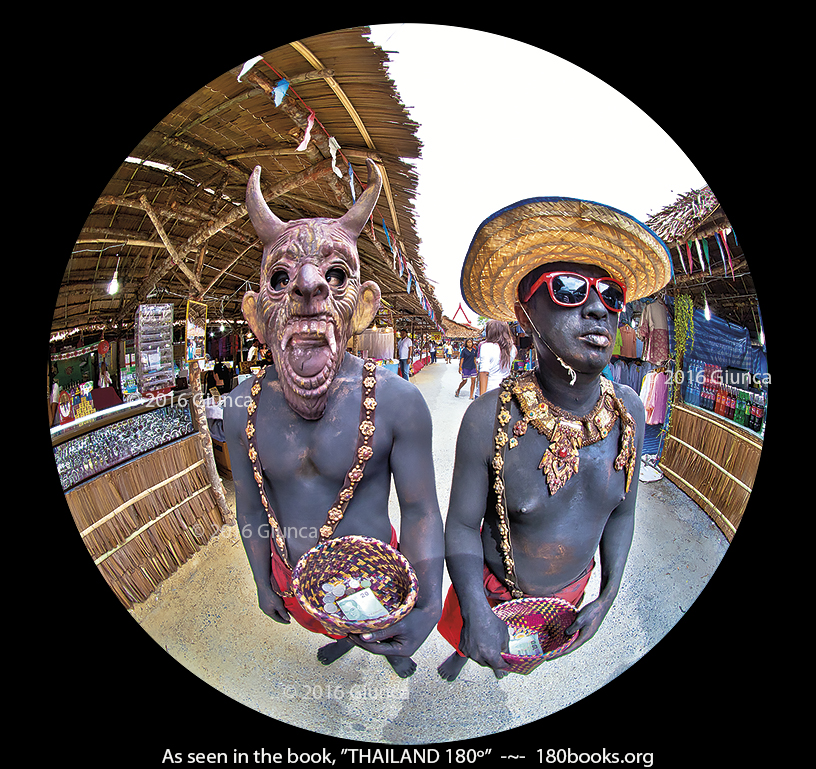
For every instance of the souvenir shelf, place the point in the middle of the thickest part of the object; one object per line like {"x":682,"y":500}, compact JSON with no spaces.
{"x":154,"y":347}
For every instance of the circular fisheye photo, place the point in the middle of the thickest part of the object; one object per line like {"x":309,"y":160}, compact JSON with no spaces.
{"x":407,"y":384}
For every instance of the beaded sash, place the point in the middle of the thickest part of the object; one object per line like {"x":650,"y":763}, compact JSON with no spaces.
{"x":353,"y":477}
{"x":566,"y":433}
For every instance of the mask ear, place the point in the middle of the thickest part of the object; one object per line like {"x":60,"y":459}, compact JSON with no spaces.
{"x":368,"y":302}
{"x":249,"y":306}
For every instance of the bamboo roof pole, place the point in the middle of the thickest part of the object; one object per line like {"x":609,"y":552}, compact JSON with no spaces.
{"x":197,"y":401}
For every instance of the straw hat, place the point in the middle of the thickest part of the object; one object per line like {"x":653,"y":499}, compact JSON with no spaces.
{"x":524,"y":235}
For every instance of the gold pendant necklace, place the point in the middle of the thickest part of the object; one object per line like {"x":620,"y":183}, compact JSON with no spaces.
{"x":566,"y":432}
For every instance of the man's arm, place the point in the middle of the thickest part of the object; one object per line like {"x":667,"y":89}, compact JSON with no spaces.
{"x":616,"y":540}
{"x":484,"y":636}
{"x":421,"y":532}
{"x":250,"y":514}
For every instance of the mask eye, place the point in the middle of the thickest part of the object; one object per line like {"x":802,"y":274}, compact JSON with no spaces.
{"x":279,"y":280}
{"x":335,"y":277}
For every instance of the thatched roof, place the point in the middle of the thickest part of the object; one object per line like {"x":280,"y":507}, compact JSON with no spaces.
{"x":173,"y":218}
{"x":454,"y":330}
{"x":697,"y":221}
{"x":695,"y":214}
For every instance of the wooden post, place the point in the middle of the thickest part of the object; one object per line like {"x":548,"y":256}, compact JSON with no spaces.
{"x":206,"y":442}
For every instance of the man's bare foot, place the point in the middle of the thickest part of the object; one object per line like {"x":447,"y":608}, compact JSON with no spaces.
{"x":404,"y":667}
{"x":332,"y":652}
{"x":451,"y":667}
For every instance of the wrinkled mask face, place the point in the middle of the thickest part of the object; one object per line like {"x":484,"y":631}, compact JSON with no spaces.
{"x":309,"y":289}
{"x":310,"y":300}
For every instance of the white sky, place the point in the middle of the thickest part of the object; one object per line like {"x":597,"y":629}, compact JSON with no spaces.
{"x":487,"y":143}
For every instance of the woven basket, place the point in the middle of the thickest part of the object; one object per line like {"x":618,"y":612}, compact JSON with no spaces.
{"x":548,"y":618}
{"x":392,"y":579}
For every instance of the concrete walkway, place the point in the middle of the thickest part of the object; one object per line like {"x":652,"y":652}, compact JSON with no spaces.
{"x":206,"y":616}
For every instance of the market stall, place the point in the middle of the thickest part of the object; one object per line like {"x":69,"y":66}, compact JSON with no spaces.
{"x":170,"y":234}
{"x":713,"y":447}
{"x":136,"y":485}
{"x":717,"y":372}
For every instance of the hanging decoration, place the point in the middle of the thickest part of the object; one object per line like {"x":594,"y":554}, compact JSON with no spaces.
{"x":727,"y":250}
{"x":707,"y":255}
{"x":399,"y":260}
{"x":308,"y":135}
{"x":248,"y":66}
{"x":699,"y":254}
{"x":334,"y":147}
{"x":351,"y":183}
{"x":281,"y":87}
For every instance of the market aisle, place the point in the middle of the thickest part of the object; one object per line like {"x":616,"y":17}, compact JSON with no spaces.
{"x":206,"y":616}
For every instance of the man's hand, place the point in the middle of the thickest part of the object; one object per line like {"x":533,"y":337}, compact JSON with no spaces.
{"x":586,"y":624}
{"x":272,"y":605}
{"x":484,"y":640}
{"x":403,"y":638}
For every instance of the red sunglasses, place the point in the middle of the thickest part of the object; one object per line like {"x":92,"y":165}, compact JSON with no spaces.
{"x":570,"y":289}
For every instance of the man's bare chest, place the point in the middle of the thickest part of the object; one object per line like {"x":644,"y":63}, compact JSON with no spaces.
{"x":596,"y":487}
{"x":294,"y":450}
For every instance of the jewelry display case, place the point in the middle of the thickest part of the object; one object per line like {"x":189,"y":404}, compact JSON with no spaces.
{"x":135,"y":482}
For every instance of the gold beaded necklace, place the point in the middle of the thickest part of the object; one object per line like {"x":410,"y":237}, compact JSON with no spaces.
{"x":566,"y":433}
{"x":363,"y":453}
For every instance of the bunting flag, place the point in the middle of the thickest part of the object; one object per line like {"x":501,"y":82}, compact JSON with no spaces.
{"x":281,"y":87}
{"x":700,"y":254}
{"x":728,"y":251}
{"x":707,"y":255}
{"x":308,"y":135}
{"x":691,"y":263}
{"x":682,"y":261}
{"x":248,"y":66}
{"x":409,"y":281}
{"x":351,"y":183}
{"x":334,"y":146}
{"x":722,"y":253}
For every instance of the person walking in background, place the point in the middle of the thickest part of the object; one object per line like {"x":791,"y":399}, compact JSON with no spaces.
{"x":496,"y":355}
{"x":404,"y":354}
{"x":467,"y":367}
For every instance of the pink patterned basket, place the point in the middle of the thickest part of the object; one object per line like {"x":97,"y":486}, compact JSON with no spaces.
{"x":388,"y":572}
{"x":547,"y":618}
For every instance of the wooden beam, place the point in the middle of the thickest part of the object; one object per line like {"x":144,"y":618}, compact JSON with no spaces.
{"x":174,"y":255}
{"x":292,"y":182}
{"x":357,"y":120}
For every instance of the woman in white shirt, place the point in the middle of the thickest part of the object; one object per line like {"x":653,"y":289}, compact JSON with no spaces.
{"x":496,"y":355}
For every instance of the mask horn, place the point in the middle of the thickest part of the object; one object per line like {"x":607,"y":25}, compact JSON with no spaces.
{"x":266,"y":224}
{"x":355,"y":218}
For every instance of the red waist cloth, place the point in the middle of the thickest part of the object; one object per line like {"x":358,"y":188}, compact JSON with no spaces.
{"x":282,"y":576}
{"x":450,"y":624}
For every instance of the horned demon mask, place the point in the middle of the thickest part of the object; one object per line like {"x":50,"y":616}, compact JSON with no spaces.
{"x":310,"y":299}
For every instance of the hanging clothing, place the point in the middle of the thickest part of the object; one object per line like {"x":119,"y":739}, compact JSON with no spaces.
{"x":655,"y":396}
{"x":628,"y":336}
{"x":654,"y":331}
{"x":629,"y":372}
